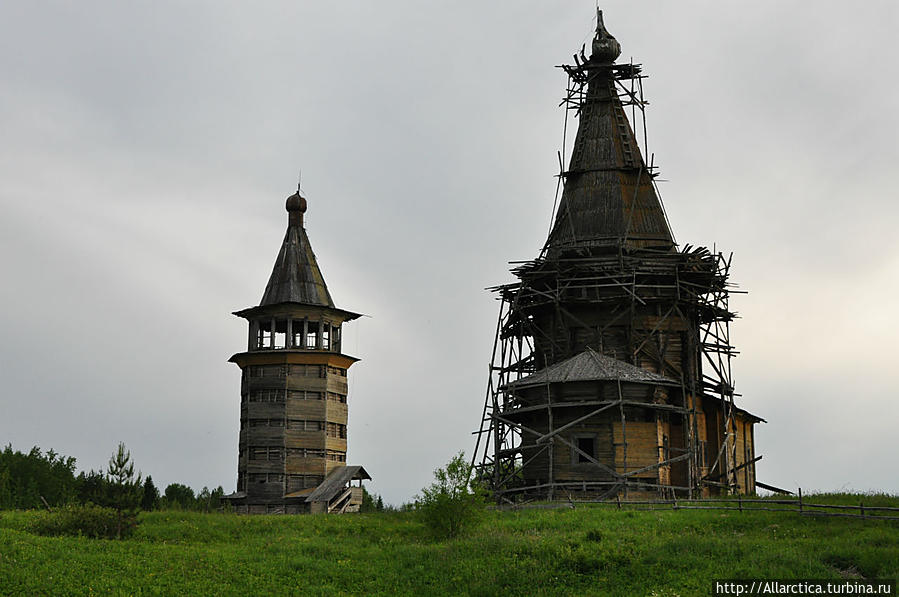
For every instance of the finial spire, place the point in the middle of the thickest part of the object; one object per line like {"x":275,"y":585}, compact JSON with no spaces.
{"x":605,"y":47}
{"x":296,"y":277}
{"x":296,"y":207}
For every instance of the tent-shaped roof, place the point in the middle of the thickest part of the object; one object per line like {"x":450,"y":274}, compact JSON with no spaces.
{"x":296,"y":277}
{"x":609,"y":196}
{"x":591,"y":366}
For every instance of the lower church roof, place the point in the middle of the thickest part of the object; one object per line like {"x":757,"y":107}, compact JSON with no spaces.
{"x":591,"y":366}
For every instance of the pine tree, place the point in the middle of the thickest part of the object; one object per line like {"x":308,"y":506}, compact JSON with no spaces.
{"x":150,"y":499}
{"x":125,"y":490}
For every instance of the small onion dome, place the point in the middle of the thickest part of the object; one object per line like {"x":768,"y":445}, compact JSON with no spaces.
{"x":296,"y":202}
{"x":605,"y":47}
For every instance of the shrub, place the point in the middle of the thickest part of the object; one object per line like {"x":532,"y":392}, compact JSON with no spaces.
{"x":450,"y":504}
{"x":88,"y":520}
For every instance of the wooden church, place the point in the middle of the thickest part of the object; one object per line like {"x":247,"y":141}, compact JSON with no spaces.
{"x":293,"y":393}
{"x":611,"y":371}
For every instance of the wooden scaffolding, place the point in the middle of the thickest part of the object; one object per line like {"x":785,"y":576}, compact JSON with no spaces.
{"x":613,"y":329}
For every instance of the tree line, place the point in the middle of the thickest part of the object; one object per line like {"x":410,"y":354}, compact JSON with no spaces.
{"x":107,"y":503}
{"x":39,"y":479}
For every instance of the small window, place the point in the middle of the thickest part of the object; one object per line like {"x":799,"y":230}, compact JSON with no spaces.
{"x":586,"y":449}
{"x":336,"y":430}
{"x":336,"y":456}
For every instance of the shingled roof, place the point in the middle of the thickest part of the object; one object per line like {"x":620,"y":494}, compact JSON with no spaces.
{"x":591,"y":366}
{"x":609,"y":197}
{"x":296,"y":277}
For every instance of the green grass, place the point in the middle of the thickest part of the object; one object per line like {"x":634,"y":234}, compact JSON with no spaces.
{"x":584,"y":551}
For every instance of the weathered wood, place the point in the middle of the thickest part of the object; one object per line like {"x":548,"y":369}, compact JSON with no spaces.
{"x":293,"y":392}
{"x":611,"y":282}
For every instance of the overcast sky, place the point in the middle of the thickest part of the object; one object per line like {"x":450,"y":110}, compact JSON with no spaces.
{"x":147,"y":149}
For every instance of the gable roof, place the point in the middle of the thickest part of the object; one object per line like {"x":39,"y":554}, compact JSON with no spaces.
{"x":336,"y":481}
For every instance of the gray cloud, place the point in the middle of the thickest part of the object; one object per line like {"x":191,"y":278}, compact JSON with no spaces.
{"x":147,"y":152}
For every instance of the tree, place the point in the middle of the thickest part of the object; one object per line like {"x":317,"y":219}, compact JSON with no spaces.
{"x":371,"y":502}
{"x":7,"y":494}
{"x":215,"y":499}
{"x":121,"y":469}
{"x":124,"y":489}
{"x":204,"y":499}
{"x":92,"y":488}
{"x":26,"y":478}
{"x":150,"y":498}
{"x":450,"y":503}
{"x":179,"y":496}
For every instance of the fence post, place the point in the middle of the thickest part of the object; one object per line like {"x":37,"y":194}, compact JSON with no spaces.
{"x":618,"y":500}
{"x":800,"y":500}
{"x":740,"y":502}
{"x":861,"y":506}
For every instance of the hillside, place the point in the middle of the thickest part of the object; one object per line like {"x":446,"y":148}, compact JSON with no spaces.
{"x":581,"y":551}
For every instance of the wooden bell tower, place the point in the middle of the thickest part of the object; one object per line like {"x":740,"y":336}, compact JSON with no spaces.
{"x":293,"y":394}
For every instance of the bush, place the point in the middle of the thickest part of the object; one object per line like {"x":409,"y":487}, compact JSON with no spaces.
{"x":450,"y":504}
{"x":89,"y":520}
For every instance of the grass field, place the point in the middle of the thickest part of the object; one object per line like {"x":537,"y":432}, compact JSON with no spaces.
{"x":582,"y":551}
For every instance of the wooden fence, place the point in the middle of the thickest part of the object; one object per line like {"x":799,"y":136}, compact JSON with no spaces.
{"x":798,"y":505}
